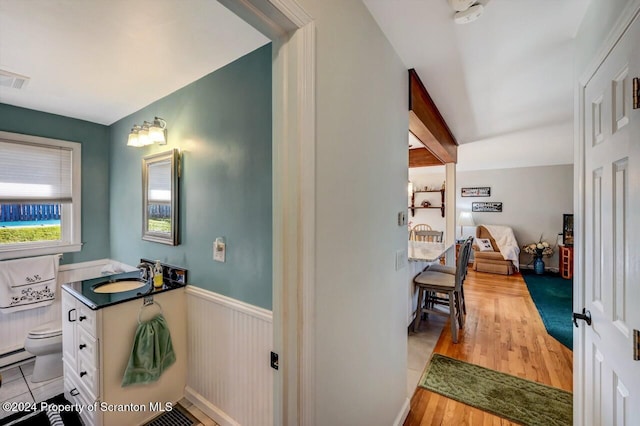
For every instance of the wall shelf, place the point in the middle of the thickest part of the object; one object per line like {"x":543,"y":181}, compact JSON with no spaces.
{"x":413,"y":205}
{"x":566,"y":262}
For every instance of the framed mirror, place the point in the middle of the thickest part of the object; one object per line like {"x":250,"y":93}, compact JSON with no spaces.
{"x":160,"y":173}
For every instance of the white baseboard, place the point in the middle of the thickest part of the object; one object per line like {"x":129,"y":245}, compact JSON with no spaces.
{"x":215,"y":413}
{"x":404,"y":412}
{"x":15,"y":358}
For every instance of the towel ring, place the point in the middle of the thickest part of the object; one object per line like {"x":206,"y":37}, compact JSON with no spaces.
{"x":144,"y":306}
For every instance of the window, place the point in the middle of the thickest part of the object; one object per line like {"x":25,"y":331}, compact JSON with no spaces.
{"x":39,"y":196}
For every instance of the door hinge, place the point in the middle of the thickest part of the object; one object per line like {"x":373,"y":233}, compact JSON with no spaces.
{"x":274,"y":360}
{"x":636,"y":93}
{"x":636,"y":345}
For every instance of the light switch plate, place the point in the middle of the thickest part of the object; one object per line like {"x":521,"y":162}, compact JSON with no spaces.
{"x":219,"y":250}
{"x":402,"y":218}
{"x":401,"y":259}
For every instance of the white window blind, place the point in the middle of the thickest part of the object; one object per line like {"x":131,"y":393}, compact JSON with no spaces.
{"x":32,"y":173}
{"x":160,"y":183}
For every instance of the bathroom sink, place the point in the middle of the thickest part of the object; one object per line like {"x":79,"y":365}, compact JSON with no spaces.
{"x":119,"y":286}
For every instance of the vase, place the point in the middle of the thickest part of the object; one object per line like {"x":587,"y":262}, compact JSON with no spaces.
{"x":538,"y":265}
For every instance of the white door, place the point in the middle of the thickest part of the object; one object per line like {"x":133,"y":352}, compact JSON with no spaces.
{"x":611,"y":393}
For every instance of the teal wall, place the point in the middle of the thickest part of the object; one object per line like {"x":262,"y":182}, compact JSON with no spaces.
{"x":222,"y":124}
{"x":95,"y":170}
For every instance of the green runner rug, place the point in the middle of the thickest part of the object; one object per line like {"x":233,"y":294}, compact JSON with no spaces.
{"x":513,"y":398}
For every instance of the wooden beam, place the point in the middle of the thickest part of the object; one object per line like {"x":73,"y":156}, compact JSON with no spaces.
{"x":421,"y":157}
{"x":427,"y":124}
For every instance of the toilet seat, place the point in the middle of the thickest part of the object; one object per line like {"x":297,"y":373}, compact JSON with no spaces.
{"x":46,"y":330}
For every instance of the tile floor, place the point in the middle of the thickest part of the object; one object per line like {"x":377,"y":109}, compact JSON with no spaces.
{"x":18,"y":387}
{"x":420,"y":348}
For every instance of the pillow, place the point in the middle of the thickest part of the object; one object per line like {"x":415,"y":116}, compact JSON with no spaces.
{"x":484,"y":244}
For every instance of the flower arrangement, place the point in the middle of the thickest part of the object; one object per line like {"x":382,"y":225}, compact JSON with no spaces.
{"x":539,"y":249}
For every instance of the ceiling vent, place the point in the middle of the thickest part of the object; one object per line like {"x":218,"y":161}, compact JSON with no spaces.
{"x":13,"y":80}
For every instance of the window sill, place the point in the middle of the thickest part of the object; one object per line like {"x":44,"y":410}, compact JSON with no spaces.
{"x":15,"y":252}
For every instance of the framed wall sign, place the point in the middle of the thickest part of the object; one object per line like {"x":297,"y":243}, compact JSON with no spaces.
{"x":479,"y":191}
{"x":489,"y":206}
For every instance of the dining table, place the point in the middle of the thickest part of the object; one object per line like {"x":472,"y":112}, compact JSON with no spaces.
{"x":422,"y":254}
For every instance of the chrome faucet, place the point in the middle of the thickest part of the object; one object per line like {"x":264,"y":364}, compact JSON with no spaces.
{"x":145,"y":270}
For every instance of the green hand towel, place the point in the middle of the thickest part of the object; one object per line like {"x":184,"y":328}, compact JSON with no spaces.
{"x":151,"y":354}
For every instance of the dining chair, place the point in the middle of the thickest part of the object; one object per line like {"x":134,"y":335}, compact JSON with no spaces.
{"x":465,"y":252}
{"x":431,"y":284}
{"x":418,"y":227}
{"x":428,"y":236}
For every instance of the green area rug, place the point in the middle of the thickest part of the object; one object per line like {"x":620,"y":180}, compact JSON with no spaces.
{"x":553,"y":296}
{"x":510,"y":397}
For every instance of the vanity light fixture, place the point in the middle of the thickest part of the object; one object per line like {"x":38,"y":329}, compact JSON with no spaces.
{"x":148,"y":133}
{"x":158,"y":131}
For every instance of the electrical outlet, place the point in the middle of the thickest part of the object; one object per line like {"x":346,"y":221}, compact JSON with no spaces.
{"x":401,"y":259}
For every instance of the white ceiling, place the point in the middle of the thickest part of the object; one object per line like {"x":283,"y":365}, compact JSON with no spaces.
{"x":506,"y":73}
{"x":503,"y":81}
{"x":102,"y":60}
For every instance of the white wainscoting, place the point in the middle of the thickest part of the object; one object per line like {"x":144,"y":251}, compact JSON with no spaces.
{"x":229,"y":343}
{"x":15,"y":326}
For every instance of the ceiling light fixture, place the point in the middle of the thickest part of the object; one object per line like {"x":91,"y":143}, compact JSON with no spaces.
{"x":148,"y":133}
{"x":469,"y":15}
{"x":466,"y":10}
{"x":461,"y":5}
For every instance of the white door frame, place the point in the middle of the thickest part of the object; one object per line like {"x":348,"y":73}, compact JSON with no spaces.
{"x":292,"y":32}
{"x":622,"y":24}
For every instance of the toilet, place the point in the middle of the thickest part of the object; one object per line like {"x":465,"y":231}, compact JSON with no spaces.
{"x":45,"y":342}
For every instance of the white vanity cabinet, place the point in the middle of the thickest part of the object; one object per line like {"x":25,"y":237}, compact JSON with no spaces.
{"x":96,"y":349}
{"x":80,"y":355}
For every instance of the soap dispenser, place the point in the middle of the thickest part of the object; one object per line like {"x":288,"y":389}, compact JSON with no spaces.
{"x":157,"y":275}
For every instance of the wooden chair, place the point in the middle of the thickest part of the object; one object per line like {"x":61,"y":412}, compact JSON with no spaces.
{"x":465,"y":251}
{"x":418,"y":227}
{"x":423,"y":232}
{"x":428,"y":236}
{"x":431,"y":284}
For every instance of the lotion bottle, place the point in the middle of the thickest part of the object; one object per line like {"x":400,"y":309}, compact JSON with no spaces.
{"x":157,"y":275}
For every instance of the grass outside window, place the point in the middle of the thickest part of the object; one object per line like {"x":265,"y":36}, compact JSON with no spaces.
{"x":12,"y":235}
{"x":160,"y":225}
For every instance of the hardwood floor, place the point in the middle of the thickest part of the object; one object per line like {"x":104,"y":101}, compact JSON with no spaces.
{"x":504,"y":332}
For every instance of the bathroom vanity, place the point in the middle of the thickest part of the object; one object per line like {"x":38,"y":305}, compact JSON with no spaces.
{"x":98,"y":333}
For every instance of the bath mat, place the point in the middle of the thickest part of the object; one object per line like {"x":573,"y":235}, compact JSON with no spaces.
{"x":40,"y":418}
{"x":510,"y":397}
